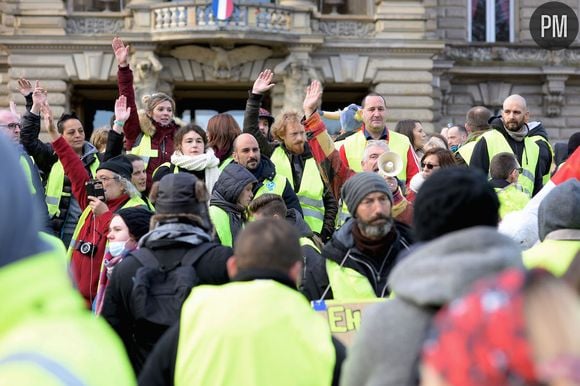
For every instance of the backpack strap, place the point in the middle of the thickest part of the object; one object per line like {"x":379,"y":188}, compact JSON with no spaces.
{"x":146,"y":257}
{"x":195,"y":253}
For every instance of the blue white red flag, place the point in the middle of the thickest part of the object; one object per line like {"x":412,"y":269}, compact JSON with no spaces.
{"x":223,"y":9}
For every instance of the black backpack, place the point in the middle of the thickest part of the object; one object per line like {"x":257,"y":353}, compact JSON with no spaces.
{"x":159,"y":291}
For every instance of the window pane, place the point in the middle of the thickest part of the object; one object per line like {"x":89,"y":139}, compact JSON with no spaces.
{"x":478,"y":20}
{"x":502,"y":20}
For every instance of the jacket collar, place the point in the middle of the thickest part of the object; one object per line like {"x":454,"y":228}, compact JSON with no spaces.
{"x":264,"y":274}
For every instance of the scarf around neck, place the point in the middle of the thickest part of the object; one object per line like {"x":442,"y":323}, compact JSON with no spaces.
{"x":520,"y":134}
{"x":206,"y":161}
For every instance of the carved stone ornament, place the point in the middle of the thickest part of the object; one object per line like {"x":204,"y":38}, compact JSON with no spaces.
{"x":344,"y":28}
{"x":93,"y":25}
{"x":554,"y":89}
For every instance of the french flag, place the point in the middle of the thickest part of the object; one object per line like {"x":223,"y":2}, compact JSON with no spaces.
{"x":223,"y":9}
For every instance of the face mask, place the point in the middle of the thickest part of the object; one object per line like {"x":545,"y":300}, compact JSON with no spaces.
{"x":454,"y":148}
{"x":116,"y":247}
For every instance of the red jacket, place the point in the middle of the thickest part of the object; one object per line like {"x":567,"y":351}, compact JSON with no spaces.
{"x":85,"y":269}
{"x":161,"y":136}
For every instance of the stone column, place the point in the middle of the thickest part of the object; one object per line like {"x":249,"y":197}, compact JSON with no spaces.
{"x":297,"y":71}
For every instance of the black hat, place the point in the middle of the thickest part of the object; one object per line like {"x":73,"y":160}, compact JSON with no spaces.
{"x":452,"y":199}
{"x":137,"y":220}
{"x":266,"y":114}
{"x":359,"y":186}
{"x":120,"y":165}
{"x":177,"y":194}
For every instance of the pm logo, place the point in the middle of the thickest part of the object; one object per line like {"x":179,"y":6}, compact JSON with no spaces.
{"x":554,"y":26}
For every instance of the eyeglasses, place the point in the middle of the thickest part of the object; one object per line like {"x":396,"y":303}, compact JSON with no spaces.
{"x":12,"y":126}
{"x":104,"y":179}
{"x":520,"y":170}
{"x":428,"y":166}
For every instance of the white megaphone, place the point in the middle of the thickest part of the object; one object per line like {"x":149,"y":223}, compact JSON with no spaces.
{"x":390,"y":164}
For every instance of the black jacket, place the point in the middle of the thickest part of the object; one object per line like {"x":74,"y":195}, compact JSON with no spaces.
{"x":341,"y":244}
{"x":139,"y":339}
{"x":160,"y":366}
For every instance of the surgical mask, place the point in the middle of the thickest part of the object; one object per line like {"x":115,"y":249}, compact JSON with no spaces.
{"x":454,"y":148}
{"x":116,"y":247}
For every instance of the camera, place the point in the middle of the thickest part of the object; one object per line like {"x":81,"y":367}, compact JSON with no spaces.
{"x":86,"y":248}
{"x":95,"y":188}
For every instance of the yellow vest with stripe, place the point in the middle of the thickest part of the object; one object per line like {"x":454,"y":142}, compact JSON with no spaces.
{"x":258,"y":333}
{"x":305,"y":241}
{"x":511,"y":199}
{"x":496,"y":143}
{"x":554,"y":254}
{"x":275,"y":186}
{"x":221,"y":222}
{"x":343,"y":214}
{"x":466,"y":150}
{"x":226,"y":162}
{"x":311,"y":188}
{"x":354,"y":147}
{"x":55,"y":185}
{"x":537,"y":138}
{"x":347,"y":283}
{"x":143,"y":149}
{"x":133,"y":201}
{"x":47,"y":337}
{"x":28,"y":173}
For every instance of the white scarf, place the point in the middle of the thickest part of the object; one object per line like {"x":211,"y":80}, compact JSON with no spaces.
{"x":206,"y":161}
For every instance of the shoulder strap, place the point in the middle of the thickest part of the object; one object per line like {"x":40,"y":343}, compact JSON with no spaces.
{"x":196,"y":253}
{"x":146,"y":257}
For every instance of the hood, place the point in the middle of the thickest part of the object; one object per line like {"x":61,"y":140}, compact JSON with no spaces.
{"x":20,"y":222}
{"x":560,"y":209}
{"x":231,"y":183}
{"x":341,"y":240}
{"x":439,"y":271}
{"x":89,"y":153}
{"x":536,"y":128}
{"x":295,"y":218}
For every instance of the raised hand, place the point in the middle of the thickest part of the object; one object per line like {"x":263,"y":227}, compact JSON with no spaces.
{"x":122,"y":112}
{"x":13,"y":109}
{"x":313,"y":98}
{"x":48,"y":120}
{"x":264,"y":82}
{"x":24,"y":86}
{"x":121,"y":51}
{"x":39,"y":97}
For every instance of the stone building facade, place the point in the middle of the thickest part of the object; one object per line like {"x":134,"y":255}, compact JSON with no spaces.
{"x":431,"y":59}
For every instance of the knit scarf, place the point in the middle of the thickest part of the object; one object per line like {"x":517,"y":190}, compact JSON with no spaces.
{"x":206,"y":161}
{"x":520,"y":134}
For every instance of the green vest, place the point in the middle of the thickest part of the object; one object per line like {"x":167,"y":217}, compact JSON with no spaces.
{"x":354,"y":147}
{"x":348,"y":284}
{"x":311,"y":188}
{"x":258,"y":333}
{"x":226,"y":162}
{"x":305,"y":241}
{"x":221,"y":222}
{"x":496,"y":143}
{"x":47,"y":337}
{"x":466,"y":150}
{"x":511,"y":199}
{"x":142,"y":148}
{"x":55,"y":184}
{"x":537,"y":138}
{"x":275,"y":186}
{"x":28,"y":173}
{"x":554,"y":254}
{"x":133,"y":201}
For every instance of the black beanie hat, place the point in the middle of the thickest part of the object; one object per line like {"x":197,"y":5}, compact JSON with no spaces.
{"x":137,"y":220}
{"x":359,"y":186}
{"x":452,"y":199}
{"x":120,"y":165}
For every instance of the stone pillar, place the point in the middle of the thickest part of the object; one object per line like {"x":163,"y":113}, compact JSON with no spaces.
{"x":297,"y":71}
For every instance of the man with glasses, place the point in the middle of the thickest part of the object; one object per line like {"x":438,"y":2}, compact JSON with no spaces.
{"x":505,"y":171}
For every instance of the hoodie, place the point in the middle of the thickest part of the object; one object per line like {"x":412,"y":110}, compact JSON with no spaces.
{"x":387,"y":348}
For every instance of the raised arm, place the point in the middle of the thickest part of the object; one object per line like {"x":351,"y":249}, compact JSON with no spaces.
{"x":262,"y":84}
{"x":25,"y":88}
{"x":131,"y":128}
{"x":115,"y":138}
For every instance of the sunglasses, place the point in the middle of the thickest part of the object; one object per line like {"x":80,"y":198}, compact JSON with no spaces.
{"x":429,"y":166}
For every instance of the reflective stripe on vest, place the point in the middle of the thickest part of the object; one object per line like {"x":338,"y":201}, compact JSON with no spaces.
{"x":496,"y":143}
{"x":466,"y":150}
{"x":226,"y":162}
{"x":52,"y":367}
{"x":348,"y":284}
{"x":511,"y":199}
{"x":55,"y":185}
{"x":133,"y":201}
{"x":275,"y":186}
{"x":305,"y":241}
{"x":142,"y":148}
{"x":537,"y":138}
{"x":311,"y":188}
{"x":221,"y":222}
{"x":263,"y":333}
{"x":354,"y":147}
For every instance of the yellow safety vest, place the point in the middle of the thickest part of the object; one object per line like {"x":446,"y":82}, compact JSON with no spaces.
{"x":311,"y":188}
{"x":142,"y":148}
{"x":537,"y":138}
{"x":496,"y":143}
{"x":511,"y":199}
{"x":343,"y":214}
{"x":275,"y":186}
{"x":553,"y":254}
{"x":258,"y":333}
{"x":133,"y":201}
{"x":55,"y":184}
{"x":347,"y":283}
{"x":354,"y":147}
{"x":34,"y":321}
{"x":28,"y":173}
{"x":466,"y":150}
{"x":221,"y":222}
{"x":226,"y":162}
{"x":304,"y":241}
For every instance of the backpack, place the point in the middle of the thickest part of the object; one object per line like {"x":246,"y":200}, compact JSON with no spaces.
{"x":159,"y":291}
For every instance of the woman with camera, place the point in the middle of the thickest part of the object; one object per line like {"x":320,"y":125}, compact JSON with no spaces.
{"x":99,"y":199}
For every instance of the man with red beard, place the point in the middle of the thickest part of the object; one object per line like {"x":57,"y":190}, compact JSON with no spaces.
{"x":361,"y":254}
{"x":511,"y":134}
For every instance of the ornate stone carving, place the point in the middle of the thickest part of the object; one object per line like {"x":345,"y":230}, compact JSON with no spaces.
{"x":512,"y":55}
{"x":221,"y":63}
{"x":297,"y":70}
{"x":344,"y":28}
{"x":554,"y":89}
{"x":93,"y":25}
{"x":147,"y":68}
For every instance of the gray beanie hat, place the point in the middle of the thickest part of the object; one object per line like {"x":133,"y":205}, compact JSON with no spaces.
{"x":361,"y":184}
{"x":560,"y":209}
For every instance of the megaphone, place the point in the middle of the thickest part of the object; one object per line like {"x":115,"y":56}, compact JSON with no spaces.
{"x":390,"y":164}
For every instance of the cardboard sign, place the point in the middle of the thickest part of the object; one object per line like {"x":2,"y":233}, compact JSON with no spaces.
{"x":344,"y":317}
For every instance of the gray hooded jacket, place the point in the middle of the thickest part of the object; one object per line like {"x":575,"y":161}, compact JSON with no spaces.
{"x":387,"y":347}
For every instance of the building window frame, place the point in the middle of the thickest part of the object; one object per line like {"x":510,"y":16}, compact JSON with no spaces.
{"x":490,"y":21}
